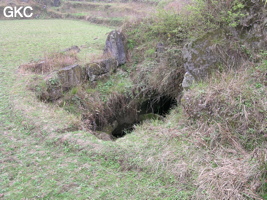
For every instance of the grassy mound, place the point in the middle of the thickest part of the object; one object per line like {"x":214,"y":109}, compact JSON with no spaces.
{"x":227,"y":116}
{"x":232,"y":104}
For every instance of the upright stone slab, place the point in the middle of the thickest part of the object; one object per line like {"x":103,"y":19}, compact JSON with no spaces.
{"x":116,"y":47}
{"x":56,"y":3}
{"x":188,"y":80}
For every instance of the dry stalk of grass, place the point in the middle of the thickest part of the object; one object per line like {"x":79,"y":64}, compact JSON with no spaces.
{"x":164,"y":78}
{"x":51,"y":62}
{"x":167,"y":81}
{"x":230,"y":180}
{"x":230,"y":106}
{"x":60,"y":60}
{"x":231,"y":56}
{"x":228,"y":119}
{"x":177,"y":6}
{"x":118,"y":106}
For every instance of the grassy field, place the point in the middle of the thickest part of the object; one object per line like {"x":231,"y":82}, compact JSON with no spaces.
{"x":40,"y":162}
{"x":182,"y":157}
{"x":30,"y":39}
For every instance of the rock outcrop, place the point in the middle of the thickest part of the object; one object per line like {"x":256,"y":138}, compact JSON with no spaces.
{"x":233,"y":45}
{"x":253,"y":31}
{"x":199,"y":58}
{"x":52,"y":89}
{"x":68,"y":77}
{"x":60,"y":81}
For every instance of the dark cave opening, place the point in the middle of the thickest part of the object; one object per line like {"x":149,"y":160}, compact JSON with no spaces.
{"x":158,"y":106}
{"x":122,"y":129}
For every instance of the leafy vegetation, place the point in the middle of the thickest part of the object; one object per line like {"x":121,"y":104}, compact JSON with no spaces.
{"x":192,"y":21}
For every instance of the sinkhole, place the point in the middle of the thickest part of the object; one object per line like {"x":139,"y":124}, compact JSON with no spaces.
{"x":153,"y":108}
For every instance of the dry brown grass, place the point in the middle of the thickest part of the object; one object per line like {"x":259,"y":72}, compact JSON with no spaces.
{"x":51,"y":62}
{"x":229,"y":178}
{"x":166,"y":80}
{"x":229,"y":110}
{"x":177,"y":6}
{"x":16,"y":2}
{"x":130,"y":9}
{"x":164,"y":77}
{"x":224,"y":122}
{"x":219,"y":173}
{"x":104,"y":113}
{"x":39,"y":116}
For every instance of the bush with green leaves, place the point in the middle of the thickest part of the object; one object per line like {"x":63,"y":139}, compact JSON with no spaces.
{"x":193,"y":21}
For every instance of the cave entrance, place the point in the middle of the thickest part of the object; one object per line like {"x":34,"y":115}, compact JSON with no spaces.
{"x":159,"y":105}
{"x":122,"y":129}
{"x":153,"y":108}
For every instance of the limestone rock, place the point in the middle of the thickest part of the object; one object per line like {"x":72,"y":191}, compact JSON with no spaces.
{"x":110,"y":64}
{"x":54,"y":93}
{"x":253,"y":33}
{"x":188,"y":80}
{"x":160,"y":49}
{"x":53,"y":88}
{"x":96,"y":70}
{"x":116,"y":47}
{"x":62,"y":80}
{"x":70,"y":76}
{"x":56,"y":3}
{"x":199,"y":58}
{"x":205,"y":54}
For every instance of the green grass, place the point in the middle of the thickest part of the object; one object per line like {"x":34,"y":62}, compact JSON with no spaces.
{"x":119,"y":82}
{"x":178,"y":158}
{"x":28,"y":40}
{"x":39,"y":162}
{"x":40,"y":36}
{"x":33,"y":170}
{"x":80,"y":14}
